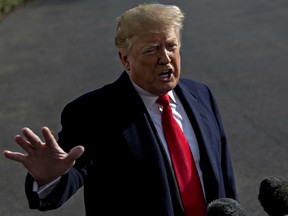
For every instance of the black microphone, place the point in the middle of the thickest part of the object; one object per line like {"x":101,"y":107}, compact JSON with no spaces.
{"x":225,"y":207}
{"x":273,"y":196}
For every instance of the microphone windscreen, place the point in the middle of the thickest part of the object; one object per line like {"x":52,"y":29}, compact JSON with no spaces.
{"x":273,"y":196}
{"x":225,"y":207}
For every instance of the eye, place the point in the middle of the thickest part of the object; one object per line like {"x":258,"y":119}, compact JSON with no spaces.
{"x":171,"y":46}
{"x":151,"y":49}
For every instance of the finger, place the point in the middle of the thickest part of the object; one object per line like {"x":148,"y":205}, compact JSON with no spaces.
{"x":76,"y":152}
{"x":16,"y":156}
{"x":49,"y":138}
{"x":32,"y":138}
{"x":25,"y":145}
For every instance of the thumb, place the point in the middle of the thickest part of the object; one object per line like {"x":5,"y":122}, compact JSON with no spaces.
{"x":76,"y":152}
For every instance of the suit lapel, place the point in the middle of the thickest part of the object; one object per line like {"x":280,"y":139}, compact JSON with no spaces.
{"x":142,"y":138}
{"x":200,"y":118}
{"x":192,"y":106}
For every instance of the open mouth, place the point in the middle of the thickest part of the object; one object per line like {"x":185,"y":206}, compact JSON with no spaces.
{"x":166,"y":75}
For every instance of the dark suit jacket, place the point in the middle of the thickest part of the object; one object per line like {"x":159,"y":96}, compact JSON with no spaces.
{"x":124,"y":169}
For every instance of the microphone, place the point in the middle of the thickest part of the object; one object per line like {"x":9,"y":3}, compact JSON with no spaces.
{"x":225,"y":207}
{"x":273,"y":196}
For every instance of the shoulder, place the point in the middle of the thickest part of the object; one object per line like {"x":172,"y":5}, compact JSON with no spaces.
{"x":198,"y":90}
{"x":192,"y":83}
{"x":100,"y":95}
{"x":103,"y":99}
{"x":194,"y":86}
{"x":91,"y":98}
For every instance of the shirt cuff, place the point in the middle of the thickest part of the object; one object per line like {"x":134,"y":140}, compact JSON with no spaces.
{"x":44,"y":190}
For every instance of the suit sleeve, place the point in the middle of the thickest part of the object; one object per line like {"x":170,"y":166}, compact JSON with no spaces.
{"x":226,"y":163}
{"x":67,"y":186}
{"x":70,"y":182}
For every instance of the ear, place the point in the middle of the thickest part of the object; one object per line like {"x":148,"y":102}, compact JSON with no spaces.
{"x":124,"y":60}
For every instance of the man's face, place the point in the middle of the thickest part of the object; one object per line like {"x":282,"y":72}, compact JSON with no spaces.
{"x":153,"y":61}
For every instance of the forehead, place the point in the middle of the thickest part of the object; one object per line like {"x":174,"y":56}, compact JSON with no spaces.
{"x":152,"y":38}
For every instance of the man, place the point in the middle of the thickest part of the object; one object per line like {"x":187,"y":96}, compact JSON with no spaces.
{"x":112,"y":141}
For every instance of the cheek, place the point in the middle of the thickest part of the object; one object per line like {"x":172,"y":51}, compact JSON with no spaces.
{"x":177,"y":62}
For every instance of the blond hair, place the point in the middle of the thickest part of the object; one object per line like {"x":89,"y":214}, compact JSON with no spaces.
{"x":147,"y":18}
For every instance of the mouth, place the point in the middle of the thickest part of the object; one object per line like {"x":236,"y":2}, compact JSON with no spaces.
{"x":166,"y":75}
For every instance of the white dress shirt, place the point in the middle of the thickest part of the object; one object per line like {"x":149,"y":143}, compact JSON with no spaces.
{"x":154,"y":109}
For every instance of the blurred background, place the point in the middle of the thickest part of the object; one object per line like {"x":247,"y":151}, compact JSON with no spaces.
{"x":53,"y":51}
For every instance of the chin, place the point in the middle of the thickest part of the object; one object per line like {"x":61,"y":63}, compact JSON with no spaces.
{"x":172,"y":84}
{"x":165,"y":90}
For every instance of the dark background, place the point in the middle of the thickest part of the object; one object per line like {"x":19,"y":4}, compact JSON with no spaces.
{"x":52,"y":51}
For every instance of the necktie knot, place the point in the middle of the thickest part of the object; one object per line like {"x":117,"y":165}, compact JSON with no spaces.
{"x":163,"y":100}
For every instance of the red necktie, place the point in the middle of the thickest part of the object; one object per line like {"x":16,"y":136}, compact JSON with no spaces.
{"x":183,"y":162}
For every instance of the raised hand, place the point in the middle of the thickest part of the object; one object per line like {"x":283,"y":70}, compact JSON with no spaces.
{"x":45,"y":161}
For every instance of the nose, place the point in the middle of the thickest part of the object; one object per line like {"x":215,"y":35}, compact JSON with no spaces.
{"x":164,"y":56}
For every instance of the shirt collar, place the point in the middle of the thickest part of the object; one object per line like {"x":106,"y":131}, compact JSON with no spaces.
{"x":148,"y":98}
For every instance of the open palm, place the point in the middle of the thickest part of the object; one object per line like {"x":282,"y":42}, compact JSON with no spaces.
{"x":45,"y":161}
